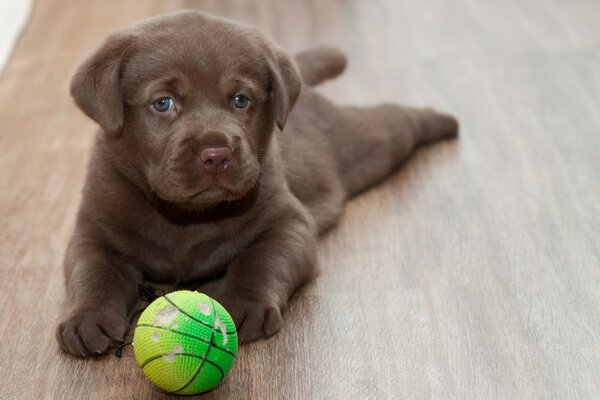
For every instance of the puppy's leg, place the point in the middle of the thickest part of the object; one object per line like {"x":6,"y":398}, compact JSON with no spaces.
{"x":371,"y":142}
{"x":100,"y":296}
{"x":259,"y":282}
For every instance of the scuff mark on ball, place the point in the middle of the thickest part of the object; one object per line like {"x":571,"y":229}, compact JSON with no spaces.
{"x":221,"y":326}
{"x":204,"y":308}
{"x":165,"y":316}
{"x":170,"y":357}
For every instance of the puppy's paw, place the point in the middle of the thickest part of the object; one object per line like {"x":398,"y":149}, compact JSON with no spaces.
{"x":253,"y":319}
{"x":87,"y":333}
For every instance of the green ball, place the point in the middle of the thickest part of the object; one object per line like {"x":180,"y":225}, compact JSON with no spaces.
{"x":185,"y":342}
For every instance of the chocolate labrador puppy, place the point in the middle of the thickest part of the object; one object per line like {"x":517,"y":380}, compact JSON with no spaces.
{"x":188,"y":178}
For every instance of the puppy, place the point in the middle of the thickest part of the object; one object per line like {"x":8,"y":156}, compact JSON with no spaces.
{"x":188,"y":179}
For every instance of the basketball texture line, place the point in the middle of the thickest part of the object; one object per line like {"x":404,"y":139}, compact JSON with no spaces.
{"x":215,"y":345}
{"x":194,"y":318}
{"x":187,"y":355}
{"x":212,"y":336}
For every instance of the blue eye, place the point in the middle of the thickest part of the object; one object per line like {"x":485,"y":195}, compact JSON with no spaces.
{"x":163,"y":104}
{"x":240,"y":101}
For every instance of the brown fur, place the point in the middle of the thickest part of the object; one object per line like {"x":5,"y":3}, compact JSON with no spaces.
{"x":149,"y":209}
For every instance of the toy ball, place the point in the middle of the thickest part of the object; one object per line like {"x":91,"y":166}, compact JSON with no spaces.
{"x":185,"y":342}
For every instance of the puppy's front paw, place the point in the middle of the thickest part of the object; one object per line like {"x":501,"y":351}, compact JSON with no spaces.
{"x":88,"y":333}
{"x":253,"y":319}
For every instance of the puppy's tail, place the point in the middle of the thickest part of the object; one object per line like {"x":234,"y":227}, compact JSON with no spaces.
{"x":373,"y":141}
{"x":319,"y":64}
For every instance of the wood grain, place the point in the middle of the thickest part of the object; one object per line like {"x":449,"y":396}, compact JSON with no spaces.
{"x":472,"y":273}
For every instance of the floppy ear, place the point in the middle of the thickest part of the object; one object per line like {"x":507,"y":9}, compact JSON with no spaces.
{"x":95,"y":86}
{"x":285,"y":85}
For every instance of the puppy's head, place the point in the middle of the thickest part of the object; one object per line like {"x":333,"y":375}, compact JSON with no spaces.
{"x":187,"y":104}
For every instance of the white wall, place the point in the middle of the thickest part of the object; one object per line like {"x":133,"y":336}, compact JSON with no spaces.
{"x":14,"y":15}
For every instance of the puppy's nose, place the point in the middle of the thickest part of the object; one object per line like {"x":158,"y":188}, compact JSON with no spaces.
{"x":215,"y":159}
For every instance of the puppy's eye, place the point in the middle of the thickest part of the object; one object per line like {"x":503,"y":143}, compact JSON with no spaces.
{"x":163,"y":104}
{"x":240,"y":101}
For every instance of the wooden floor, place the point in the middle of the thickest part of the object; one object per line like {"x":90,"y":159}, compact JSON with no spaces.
{"x":472,"y":273}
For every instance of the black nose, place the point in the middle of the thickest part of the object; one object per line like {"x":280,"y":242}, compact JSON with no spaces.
{"x":215,"y":159}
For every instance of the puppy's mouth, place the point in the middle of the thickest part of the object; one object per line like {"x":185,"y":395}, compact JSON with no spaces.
{"x":217,"y":192}
{"x":191,"y":211}
{"x":209,"y":195}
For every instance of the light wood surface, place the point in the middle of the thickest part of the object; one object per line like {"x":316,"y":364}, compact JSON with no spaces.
{"x":472,"y":273}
